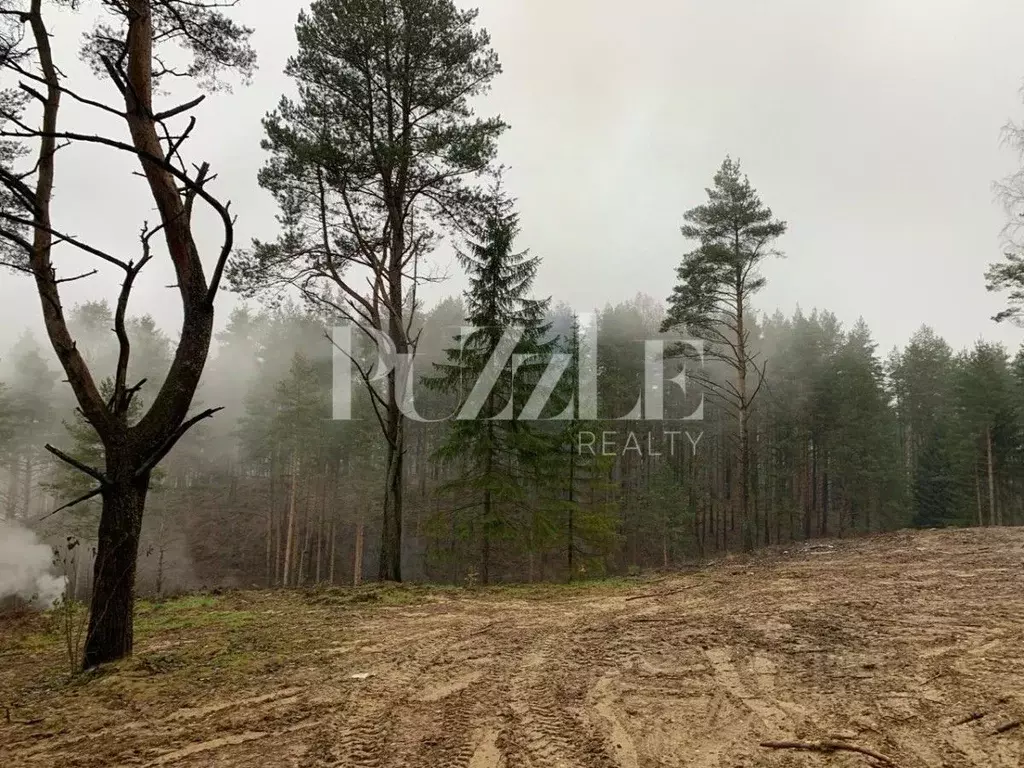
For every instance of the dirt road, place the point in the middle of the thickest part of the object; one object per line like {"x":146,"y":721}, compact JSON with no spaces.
{"x":910,"y":645}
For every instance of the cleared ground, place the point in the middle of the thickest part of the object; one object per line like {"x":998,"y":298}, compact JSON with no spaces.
{"x":910,"y":645}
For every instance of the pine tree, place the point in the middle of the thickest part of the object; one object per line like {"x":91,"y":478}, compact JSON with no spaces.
{"x":988,"y":418}
{"x":35,"y":402}
{"x":378,"y":157}
{"x":498,"y":454}
{"x":936,"y":500}
{"x":7,"y":424}
{"x":924,"y":378}
{"x":290,"y":428}
{"x":736,"y":232}
{"x":1007,"y":276}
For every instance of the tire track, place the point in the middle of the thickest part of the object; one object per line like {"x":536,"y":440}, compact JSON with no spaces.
{"x":549,"y":726}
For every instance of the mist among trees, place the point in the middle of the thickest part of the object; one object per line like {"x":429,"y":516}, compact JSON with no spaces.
{"x":107,"y":446}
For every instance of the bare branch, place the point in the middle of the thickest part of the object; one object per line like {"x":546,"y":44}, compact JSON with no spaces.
{"x":119,"y":399}
{"x":82,"y":276}
{"x":95,"y":474}
{"x":179,"y":109}
{"x":80,"y":500}
{"x":170,"y":442}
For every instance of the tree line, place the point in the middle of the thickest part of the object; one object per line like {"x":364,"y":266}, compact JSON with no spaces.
{"x":377,"y":158}
{"x":842,"y":441}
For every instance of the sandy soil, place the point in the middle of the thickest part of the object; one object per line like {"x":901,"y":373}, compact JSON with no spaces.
{"x":911,"y":645}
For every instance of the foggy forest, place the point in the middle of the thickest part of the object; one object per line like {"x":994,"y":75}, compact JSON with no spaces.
{"x":297,"y":455}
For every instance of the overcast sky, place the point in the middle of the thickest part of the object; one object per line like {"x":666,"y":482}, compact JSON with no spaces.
{"x":872,"y":127}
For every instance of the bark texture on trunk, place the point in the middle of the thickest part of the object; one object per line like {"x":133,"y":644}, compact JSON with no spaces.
{"x":390,"y":563}
{"x":111,"y":612}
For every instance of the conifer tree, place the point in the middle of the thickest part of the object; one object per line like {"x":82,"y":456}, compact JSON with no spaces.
{"x":987,"y":416}
{"x":865,"y":443}
{"x":378,"y":157}
{"x":6,"y":420}
{"x":579,"y":477}
{"x":498,"y":453}
{"x":736,"y":233}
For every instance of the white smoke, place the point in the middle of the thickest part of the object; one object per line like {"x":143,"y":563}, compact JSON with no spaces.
{"x":25,"y":567}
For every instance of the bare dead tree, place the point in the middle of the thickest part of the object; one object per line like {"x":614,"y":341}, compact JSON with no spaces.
{"x":125,"y":51}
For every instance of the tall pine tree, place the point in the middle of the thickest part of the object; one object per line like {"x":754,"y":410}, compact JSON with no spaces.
{"x":736,"y":233}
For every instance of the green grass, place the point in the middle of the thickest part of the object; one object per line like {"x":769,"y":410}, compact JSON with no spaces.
{"x":186,"y":613}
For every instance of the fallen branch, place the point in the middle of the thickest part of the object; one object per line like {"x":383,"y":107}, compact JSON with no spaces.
{"x":657,"y":620}
{"x":828,"y":747}
{"x":1006,"y":727}
{"x":482,"y":630}
{"x":970,"y":718}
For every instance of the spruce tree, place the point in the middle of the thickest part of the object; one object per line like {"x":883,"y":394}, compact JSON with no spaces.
{"x":499,"y":455}
{"x":583,"y":510}
{"x":866,"y":448}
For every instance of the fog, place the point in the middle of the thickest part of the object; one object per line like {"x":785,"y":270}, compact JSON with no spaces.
{"x":872,"y":129}
{"x":25,"y":567}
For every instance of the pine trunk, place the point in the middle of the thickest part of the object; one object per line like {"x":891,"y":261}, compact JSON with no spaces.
{"x":29,"y":466}
{"x":270,"y":528}
{"x":977,"y":490}
{"x":12,"y":489}
{"x":290,"y":526}
{"x":570,"y":543}
{"x":111,"y":612}
{"x":743,"y":459}
{"x":993,"y":510}
{"x":390,"y":565}
{"x":357,"y":566}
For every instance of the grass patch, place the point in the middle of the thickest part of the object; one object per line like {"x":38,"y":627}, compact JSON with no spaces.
{"x":415,"y":594}
{"x":36,"y":642}
{"x":238,"y":634}
{"x":188,"y":613}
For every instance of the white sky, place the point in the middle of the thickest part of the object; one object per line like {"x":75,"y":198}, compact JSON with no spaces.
{"x":872,"y":127}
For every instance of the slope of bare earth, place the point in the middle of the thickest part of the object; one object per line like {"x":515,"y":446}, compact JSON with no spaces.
{"x":910,"y":645}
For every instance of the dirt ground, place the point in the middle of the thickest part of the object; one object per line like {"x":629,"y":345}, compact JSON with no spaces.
{"x":910,"y":645}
